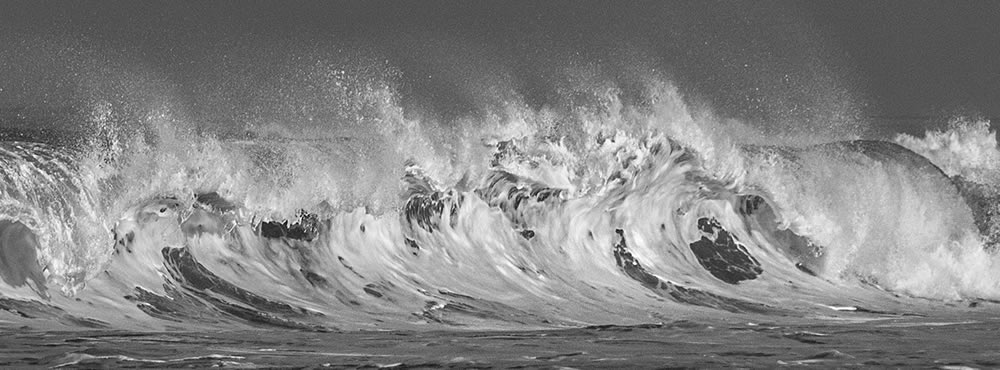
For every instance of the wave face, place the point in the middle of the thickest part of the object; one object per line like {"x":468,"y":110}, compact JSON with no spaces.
{"x":606,"y":211}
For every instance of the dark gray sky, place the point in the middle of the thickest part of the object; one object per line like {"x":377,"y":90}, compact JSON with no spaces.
{"x":894,"y":65}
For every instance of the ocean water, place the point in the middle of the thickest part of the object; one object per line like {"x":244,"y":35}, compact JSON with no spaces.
{"x":643,"y":236}
{"x":265,"y":206}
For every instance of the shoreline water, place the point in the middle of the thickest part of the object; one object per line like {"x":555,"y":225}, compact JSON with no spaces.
{"x":881,"y":343}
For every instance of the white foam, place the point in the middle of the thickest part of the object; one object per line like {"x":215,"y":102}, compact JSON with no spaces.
{"x":968,"y":148}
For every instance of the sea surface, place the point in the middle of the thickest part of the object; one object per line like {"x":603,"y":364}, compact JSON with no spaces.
{"x":178,"y":190}
{"x":641,"y":245}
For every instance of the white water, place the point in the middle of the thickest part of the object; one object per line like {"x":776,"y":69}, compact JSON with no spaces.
{"x":885,"y":220}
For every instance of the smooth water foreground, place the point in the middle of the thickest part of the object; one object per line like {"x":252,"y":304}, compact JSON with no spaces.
{"x":873,"y":342}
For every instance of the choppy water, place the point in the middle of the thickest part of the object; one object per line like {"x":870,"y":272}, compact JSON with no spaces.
{"x":656,"y":223}
{"x":682,"y":344}
{"x":332,"y":218}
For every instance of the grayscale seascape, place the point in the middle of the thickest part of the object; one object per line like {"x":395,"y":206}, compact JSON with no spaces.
{"x":499,"y":184}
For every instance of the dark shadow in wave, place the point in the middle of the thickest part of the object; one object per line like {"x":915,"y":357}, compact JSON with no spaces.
{"x":201,"y":282}
{"x":425,"y":205}
{"x":19,"y":257}
{"x":760,"y":216}
{"x":984,"y":201}
{"x":719,"y":253}
{"x":39,"y":310}
{"x":633,"y":269}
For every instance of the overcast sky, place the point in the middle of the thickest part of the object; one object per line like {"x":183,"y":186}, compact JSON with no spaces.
{"x":882,"y":62}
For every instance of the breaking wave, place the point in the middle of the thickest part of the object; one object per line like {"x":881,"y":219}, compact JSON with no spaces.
{"x":613,"y":210}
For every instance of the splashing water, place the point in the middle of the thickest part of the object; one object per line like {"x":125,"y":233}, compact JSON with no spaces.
{"x":611,"y":211}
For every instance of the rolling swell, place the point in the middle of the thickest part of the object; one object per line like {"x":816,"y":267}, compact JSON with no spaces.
{"x":509,"y":250}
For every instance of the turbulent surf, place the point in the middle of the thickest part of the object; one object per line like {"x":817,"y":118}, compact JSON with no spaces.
{"x":636,"y":214}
